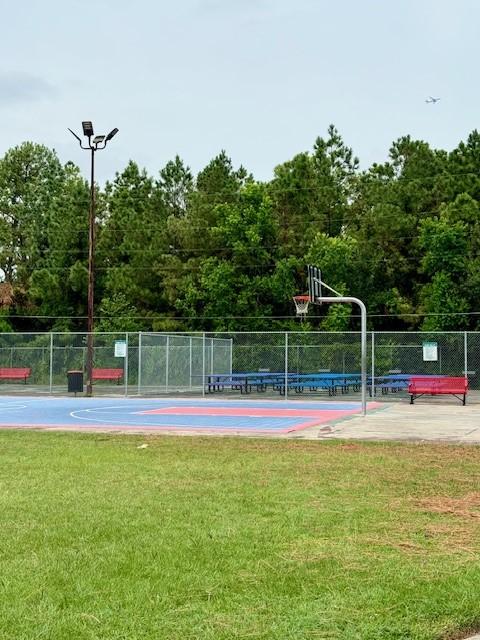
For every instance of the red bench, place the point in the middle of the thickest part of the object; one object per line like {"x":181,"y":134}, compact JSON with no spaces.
{"x":455,"y":386}
{"x":107,"y":374}
{"x":15,"y":373}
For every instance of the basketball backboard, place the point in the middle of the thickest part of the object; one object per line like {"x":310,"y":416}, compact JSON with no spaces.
{"x":314,"y":284}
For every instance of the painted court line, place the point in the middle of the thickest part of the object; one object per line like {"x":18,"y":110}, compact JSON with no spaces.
{"x":251,"y":412}
{"x":196,"y":422}
{"x":10,"y":407}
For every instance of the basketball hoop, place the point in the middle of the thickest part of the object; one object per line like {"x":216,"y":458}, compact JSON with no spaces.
{"x":301,"y":305}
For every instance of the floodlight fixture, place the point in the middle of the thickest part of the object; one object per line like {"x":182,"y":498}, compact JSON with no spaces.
{"x":87,"y":128}
{"x":112,"y":133}
{"x":98,"y":139}
{"x":75,"y":135}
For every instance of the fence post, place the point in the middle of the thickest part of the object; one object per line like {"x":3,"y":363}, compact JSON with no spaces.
{"x":125,"y":368}
{"x":139,"y":377}
{"x":167,"y":349}
{"x":465,"y":355}
{"x":373,"y":366}
{"x":203,"y":364}
{"x":191,"y":355}
{"x":51,"y":364}
{"x":286,"y":365}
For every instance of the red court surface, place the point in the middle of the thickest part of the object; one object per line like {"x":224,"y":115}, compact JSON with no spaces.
{"x":167,"y":415}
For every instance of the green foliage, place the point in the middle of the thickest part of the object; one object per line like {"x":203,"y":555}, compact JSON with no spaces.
{"x":445,"y":245}
{"x":442,"y":300}
{"x":117,"y":314}
{"x":175,"y":187}
{"x":5,"y":326}
{"x":337,"y":318}
{"x":31,"y":182}
{"x":311,"y":192}
{"x":339,"y":259}
{"x":221,"y":251}
{"x":78,"y":277}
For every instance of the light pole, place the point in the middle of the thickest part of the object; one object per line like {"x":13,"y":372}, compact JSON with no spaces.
{"x":96,"y":144}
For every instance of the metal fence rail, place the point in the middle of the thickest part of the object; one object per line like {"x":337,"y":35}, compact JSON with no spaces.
{"x":268,"y":363}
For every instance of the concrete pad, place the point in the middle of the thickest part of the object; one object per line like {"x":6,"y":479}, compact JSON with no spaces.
{"x":429,"y":421}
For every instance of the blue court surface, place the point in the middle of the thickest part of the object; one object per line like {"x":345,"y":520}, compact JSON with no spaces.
{"x":157,"y":415}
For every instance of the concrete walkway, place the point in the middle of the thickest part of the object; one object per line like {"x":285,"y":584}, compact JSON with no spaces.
{"x":427,"y":421}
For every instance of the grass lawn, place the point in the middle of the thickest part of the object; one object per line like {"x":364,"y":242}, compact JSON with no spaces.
{"x":221,"y":538}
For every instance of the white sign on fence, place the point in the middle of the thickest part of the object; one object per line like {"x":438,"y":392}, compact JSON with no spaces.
{"x":120,"y":348}
{"x":430,"y":351}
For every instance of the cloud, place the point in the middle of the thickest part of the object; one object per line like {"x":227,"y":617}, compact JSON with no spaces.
{"x":17,"y":87}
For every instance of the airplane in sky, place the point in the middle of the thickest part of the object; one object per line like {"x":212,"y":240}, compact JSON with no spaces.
{"x":431,"y":100}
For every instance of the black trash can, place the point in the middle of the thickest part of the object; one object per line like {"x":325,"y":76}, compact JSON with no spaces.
{"x":75,"y":381}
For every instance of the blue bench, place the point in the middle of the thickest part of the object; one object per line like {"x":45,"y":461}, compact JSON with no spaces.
{"x":332,"y":383}
{"x":243,"y":382}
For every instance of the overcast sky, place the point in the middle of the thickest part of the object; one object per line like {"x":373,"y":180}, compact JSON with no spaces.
{"x":258,"y":78}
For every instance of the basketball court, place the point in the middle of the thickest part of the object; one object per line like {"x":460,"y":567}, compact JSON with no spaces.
{"x":194,"y":416}
{"x":431,"y":421}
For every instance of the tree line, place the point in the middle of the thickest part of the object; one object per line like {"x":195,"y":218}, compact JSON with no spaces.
{"x":223,"y":251}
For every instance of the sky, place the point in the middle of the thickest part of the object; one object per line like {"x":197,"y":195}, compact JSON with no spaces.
{"x":258,"y":78}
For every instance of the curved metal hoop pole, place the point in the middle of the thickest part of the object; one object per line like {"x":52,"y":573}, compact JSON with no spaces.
{"x":363,"y":349}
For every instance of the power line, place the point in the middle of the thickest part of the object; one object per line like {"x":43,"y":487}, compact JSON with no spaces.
{"x":200,"y":318}
{"x":239,"y":192}
{"x":346,"y":220}
{"x":252,"y":264}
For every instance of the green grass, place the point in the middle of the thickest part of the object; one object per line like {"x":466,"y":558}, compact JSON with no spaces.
{"x":196,"y":538}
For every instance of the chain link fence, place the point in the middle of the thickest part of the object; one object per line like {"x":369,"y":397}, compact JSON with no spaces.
{"x":205,"y":363}
{"x":169,"y":363}
{"x":405,"y":352}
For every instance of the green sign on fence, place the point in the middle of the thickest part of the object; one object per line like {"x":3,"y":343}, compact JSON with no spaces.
{"x":120,"y":348}
{"x":430,"y":351}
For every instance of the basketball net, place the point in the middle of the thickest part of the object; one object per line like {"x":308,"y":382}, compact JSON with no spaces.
{"x":301,"y":305}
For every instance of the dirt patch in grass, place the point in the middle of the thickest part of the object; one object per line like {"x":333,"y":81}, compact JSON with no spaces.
{"x":467,"y":506}
{"x":444,"y":536}
{"x":460,"y":538}
{"x":350,"y":446}
{"x":406,"y":546}
{"x":445,"y":539}
{"x":462,"y":635}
